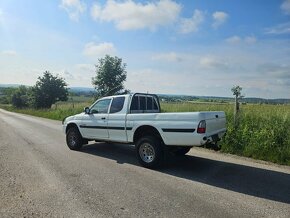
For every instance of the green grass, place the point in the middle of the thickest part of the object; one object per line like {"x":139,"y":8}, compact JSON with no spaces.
{"x":263,"y":131}
{"x":55,"y":113}
{"x":80,"y":99}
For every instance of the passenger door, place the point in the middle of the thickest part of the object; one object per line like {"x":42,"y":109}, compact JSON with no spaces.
{"x":117,"y":120}
{"x":94,"y":124}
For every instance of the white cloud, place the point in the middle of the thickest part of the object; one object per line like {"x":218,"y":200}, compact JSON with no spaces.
{"x":74,"y":8}
{"x":129,"y":15}
{"x":286,"y":7}
{"x":284,"y":82}
{"x":283,"y":28}
{"x":250,"y":39}
{"x":233,"y":40}
{"x":219,"y":18}
{"x":274,"y":70}
{"x":99,"y":50}
{"x":189,"y":25}
{"x":211,"y":62}
{"x":67,"y":75}
{"x":9,"y":52}
{"x":222,"y":65}
{"x":141,"y":81}
{"x":170,"y":57}
{"x":85,"y":67}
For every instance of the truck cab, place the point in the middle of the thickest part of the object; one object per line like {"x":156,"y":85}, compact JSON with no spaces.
{"x":106,"y":118}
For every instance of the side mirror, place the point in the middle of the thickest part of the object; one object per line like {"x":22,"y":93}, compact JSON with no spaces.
{"x":87,"y":110}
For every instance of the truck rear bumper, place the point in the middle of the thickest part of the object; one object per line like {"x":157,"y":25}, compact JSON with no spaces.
{"x":213,"y":138}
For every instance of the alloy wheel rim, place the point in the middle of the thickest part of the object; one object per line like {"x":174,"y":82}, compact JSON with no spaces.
{"x":72,"y":139}
{"x":147,"y":152}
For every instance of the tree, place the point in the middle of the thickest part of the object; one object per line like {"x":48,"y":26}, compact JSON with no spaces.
{"x":5,"y":95}
{"x":48,"y":90}
{"x":111,"y":74}
{"x":20,"y":97}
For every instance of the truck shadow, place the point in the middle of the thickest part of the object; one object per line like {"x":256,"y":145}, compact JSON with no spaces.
{"x":248,"y":180}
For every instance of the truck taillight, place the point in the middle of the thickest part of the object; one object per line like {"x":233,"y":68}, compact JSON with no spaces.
{"x":201,"y":128}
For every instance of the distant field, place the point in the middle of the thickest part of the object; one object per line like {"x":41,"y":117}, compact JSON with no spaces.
{"x":58,"y":111}
{"x":78,"y":99}
{"x":263,"y":131}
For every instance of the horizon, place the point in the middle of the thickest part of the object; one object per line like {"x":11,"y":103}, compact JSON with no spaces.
{"x":198,"y":48}
{"x":165,"y":94}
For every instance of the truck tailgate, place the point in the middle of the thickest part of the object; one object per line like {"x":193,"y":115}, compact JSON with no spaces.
{"x":215,"y":122}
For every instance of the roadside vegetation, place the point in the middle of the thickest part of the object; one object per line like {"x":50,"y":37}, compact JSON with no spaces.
{"x":48,"y":90}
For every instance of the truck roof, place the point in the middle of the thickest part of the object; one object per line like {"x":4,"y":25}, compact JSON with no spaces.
{"x":131,"y":94}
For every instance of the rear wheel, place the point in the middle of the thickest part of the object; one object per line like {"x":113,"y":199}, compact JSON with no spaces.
{"x":74,"y":139}
{"x":149,"y":152}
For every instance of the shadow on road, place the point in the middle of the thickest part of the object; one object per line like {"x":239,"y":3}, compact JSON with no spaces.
{"x":252,"y":181}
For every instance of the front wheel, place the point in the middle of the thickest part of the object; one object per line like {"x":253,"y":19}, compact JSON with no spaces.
{"x":74,"y":139}
{"x":149,"y":152}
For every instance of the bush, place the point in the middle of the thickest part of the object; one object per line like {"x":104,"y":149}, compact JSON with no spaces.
{"x":4,"y":100}
{"x":20,"y":97}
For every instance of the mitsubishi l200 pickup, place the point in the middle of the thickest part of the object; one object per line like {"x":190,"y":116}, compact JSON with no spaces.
{"x":137,"y":119}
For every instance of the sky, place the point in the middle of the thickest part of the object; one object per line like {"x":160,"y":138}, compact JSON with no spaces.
{"x":196,"y":47}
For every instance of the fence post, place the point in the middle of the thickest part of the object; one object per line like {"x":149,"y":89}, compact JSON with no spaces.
{"x":236,"y":110}
{"x":237,"y":93}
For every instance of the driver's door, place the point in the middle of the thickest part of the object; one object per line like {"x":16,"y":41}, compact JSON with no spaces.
{"x":94,"y":125}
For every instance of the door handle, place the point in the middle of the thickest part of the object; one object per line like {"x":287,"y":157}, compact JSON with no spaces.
{"x":103,"y":118}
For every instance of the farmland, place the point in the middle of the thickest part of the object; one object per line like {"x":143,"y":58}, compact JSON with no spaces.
{"x":262,"y":131}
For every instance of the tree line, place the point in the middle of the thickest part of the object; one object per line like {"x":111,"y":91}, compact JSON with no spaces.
{"x":109,"y":80}
{"x":47,"y":90}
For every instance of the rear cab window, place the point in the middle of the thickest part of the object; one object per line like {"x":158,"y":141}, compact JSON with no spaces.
{"x":144,"y":104}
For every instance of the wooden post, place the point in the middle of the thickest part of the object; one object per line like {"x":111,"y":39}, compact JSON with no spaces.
{"x":236,"y":109}
{"x":237,"y":93}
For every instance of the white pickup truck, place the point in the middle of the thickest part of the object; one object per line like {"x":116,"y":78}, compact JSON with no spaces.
{"x":136,"y":119}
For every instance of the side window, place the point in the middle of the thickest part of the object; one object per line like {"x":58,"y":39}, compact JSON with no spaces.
{"x":117,"y":105}
{"x":101,"y":107}
{"x":144,"y":104}
{"x":142,"y":100}
{"x":155,"y":106}
{"x":134,"y":103}
{"x":149,"y":103}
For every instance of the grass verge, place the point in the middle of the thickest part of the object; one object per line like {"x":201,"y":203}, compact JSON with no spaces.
{"x":55,"y":114}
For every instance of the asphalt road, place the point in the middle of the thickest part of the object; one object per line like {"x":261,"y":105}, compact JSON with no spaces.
{"x":41,"y":177}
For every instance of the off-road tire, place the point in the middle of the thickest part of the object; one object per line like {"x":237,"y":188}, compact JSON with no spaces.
{"x":149,"y":151}
{"x":74,"y":139}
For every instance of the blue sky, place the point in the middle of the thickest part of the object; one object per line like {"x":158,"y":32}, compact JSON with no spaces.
{"x":197,"y":47}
